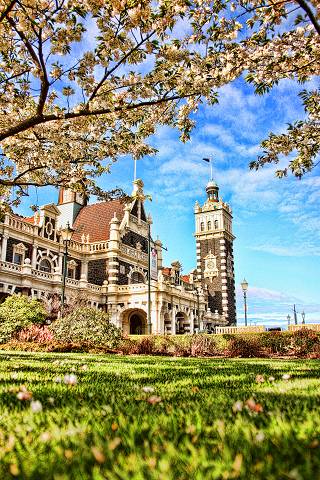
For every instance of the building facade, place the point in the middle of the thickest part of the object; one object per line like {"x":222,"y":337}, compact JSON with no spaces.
{"x":107,"y":263}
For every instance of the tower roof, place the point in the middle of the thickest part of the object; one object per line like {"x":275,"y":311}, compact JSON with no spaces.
{"x":212,"y":190}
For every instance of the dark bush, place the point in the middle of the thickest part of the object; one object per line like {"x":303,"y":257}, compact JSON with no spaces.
{"x":249,"y":346}
{"x":305,"y":341}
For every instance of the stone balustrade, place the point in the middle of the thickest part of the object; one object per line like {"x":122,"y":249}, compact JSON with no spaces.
{"x":20,"y":225}
{"x":134,"y":253}
{"x":248,"y":329}
{"x":11,"y":267}
{"x":301,"y":326}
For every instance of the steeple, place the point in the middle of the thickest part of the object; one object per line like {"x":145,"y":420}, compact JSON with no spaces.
{"x":70,"y":203}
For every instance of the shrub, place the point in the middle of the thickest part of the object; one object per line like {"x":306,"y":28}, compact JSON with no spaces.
{"x":304,"y":342}
{"x":86,"y":324}
{"x":202,"y":345}
{"x":18,"y":312}
{"x":276,"y":342}
{"x":240,"y":346}
{"x":34,"y":333}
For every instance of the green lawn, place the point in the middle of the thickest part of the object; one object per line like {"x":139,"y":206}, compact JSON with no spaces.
{"x":158,"y":418}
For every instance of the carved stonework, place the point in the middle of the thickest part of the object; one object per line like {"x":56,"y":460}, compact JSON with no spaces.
{"x":229,"y":267}
{"x":210,"y":266}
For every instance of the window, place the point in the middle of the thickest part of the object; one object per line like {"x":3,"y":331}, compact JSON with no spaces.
{"x":202,"y":226}
{"x":17,"y":258}
{"x":19,"y":253}
{"x":209,"y":225}
{"x":216,"y":224}
{"x":72,"y":268}
{"x":45,"y":265}
{"x":137,"y":277}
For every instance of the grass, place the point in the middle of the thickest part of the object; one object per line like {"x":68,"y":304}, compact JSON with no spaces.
{"x":191,"y":426}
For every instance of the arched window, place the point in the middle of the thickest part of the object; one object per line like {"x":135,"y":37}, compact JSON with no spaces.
{"x":209,"y":225}
{"x":202,"y":226}
{"x":137,"y":277}
{"x":216,"y":224}
{"x":45,"y":265}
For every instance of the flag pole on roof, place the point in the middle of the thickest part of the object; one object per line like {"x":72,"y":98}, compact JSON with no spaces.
{"x":209,"y":160}
{"x":135,"y":170}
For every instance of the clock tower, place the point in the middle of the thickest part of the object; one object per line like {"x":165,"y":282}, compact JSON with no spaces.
{"x":214,"y":248}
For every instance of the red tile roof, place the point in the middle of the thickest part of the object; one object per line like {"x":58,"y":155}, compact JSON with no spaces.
{"x":185,"y":278}
{"x":23,"y":219}
{"x":166,"y":271}
{"x":94,"y":220}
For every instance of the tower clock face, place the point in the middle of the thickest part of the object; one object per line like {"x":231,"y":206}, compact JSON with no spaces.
{"x":210,"y":265}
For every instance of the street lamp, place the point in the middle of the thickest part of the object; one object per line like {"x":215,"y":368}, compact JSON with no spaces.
{"x":244,"y":286}
{"x":303,"y":315}
{"x":288,"y":318}
{"x":149,"y":221}
{"x":66,"y":234}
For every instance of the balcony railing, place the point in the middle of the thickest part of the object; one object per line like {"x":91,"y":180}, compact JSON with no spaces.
{"x":134,"y":253}
{"x":11,"y":267}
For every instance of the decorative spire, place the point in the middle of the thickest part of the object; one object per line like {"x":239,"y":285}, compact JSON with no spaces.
{"x":138,"y":190}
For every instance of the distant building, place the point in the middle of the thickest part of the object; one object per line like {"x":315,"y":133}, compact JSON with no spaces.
{"x":107,"y":264}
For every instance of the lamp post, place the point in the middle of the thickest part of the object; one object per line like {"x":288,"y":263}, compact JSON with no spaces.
{"x":66,"y":234}
{"x":244,"y":286}
{"x":149,"y":220}
{"x":303,"y":315}
{"x":288,"y":318}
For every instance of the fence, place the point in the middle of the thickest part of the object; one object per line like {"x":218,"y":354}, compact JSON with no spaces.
{"x":250,"y":329}
{"x":310,"y":326}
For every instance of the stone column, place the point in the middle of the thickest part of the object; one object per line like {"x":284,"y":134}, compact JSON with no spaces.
{"x":84,"y":270}
{"x":113,"y":251}
{"x":60,"y":262}
{"x":173,"y":321}
{"x":191,"y":321}
{"x":34,"y":255}
{"x":4,"y":246}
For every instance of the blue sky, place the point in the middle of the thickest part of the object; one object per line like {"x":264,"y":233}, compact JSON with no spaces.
{"x":276,"y":222}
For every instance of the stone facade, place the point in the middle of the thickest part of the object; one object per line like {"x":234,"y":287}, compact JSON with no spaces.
{"x":107,"y":264}
{"x":214,"y":247}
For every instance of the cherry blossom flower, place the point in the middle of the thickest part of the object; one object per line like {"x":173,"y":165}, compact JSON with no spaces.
{"x":70,"y":379}
{"x":148,"y":389}
{"x":36,"y":406}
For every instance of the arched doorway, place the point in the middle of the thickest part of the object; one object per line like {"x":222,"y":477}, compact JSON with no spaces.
{"x":136,"y":324}
{"x":134,"y":321}
{"x":182,"y":323}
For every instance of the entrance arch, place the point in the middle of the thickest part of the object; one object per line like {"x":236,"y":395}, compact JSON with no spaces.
{"x":134,"y":321}
{"x":136,"y":324}
{"x":182,"y":323}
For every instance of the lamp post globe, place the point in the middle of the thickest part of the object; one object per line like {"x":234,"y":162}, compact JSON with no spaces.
{"x":244,"y":286}
{"x":303,"y":315}
{"x":66,"y":235}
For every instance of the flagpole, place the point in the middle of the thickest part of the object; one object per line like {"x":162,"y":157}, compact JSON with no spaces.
{"x":135,"y":170}
{"x":209,"y":160}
